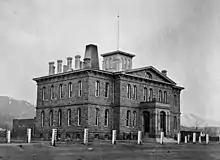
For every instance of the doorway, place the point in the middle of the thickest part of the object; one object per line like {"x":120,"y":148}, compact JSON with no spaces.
{"x":163,"y":122}
{"x":146,"y":116}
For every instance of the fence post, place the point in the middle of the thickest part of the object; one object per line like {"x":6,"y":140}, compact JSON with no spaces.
{"x":194,"y":138}
{"x":207,"y":138}
{"x":114,"y":137}
{"x":54,"y":135}
{"x":139,"y":137}
{"x":86,"y":136}
{"x":29,"y":135}
{"x":178,"y":138}
{"x":200,"y":139}
{"x":161,"y":137}
{"x":185,"y":139}
{"x":8,"y":134}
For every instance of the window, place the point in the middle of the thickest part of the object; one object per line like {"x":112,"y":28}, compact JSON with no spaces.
{"x":106,"y":117}
{"x":165,"y":96}
{"x":128,"y":118}
{"x":80,"y":88}
{"x":134,"y":118}
{"x":129,"y":91}
{"x":43,"y":93}
{"x":70,"y":90}
{"x":61,"y":91}
{"x":59,"y":118}
{"x":145,"y":94}
{"x":96,"y":116}
{"x":52,"y":92}
{"x":151,"y":94}
{"x":97,"y":88}
{"x":69,"y":117}
{"x":51,"y":118}
{"x":42,"y":118}
{"x":135,"y":92}
{"x":78,"y":116}
{"x":175,"y":100}
{"x":175,"y":122}
{"x":160,"y":96}
{"x":106,"y":89}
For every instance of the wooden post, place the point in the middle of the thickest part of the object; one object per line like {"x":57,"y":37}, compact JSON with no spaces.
{"x":86,"y":136}
{"x":114,"y":137}
{"x":161,"y":137}
{"x":139,"y":137}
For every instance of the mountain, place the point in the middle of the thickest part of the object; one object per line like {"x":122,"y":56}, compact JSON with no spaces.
{"x":11,"y":108}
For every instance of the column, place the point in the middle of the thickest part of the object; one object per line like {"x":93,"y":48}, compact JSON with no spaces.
{"x":156,"y":122}
{"x":167,"y":123}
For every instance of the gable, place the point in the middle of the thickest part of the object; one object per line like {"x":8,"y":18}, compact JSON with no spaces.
{"x":150,"y":73}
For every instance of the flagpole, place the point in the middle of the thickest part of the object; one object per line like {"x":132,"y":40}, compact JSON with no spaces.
{"x":118,"y":33}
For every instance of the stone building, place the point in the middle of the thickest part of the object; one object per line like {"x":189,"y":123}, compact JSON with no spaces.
{"x":115,"y":97}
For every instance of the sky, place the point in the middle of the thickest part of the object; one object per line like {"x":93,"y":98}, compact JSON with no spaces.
{"x":181,"y":36}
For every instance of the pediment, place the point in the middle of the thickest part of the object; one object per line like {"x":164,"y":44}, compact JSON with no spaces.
{"x":151,"y":73}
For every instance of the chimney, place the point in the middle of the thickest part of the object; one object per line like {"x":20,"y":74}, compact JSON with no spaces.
{"x":53,"y":69}
{"x":77,"y":62}
{"x":59,"y":66}
{"x":65,"y":68}
{"x":92,"y":53}
{"x":164,"y":72}
{"x":87,"y":63}
{"x":69,"y":63}
{"x":81,"y":65}
{"x":51,"y":66}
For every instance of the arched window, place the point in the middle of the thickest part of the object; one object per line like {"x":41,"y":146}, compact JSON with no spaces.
{"x":69,"y":117}
{"x":145,"y":94}
{"x":59,"y":117}
{"x":151,"y":94}
{"x":78,"y":116}
{"x":70,"y":90}
{"x":160,"y":96}
{"x":97,"y":88}
{"x":175,"y":122}
{"x":80,"y":88}
{"x":165,"y":96}
{"x":106,"y":89}
{"x":61,"y":91}
{"x":96,"y":116}
{"x":43,"y":93}
{"x":51,"y":118}
{"x":52,"y":92}
{"x":128,"y":120}
{"x":135,"y":92}
{"x":134,"y":118}
{"x":42,"y":118}
{"x":129,"y":91}
{"x":106,"y":117}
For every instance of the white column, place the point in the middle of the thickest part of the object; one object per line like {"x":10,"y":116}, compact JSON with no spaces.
{"x":29,"y":135}
{"x":8,"y":136}
{"x":194,"y":137}
{"x":185,"y":139}
{"x":139,"y":137}
{"x":86,"y":135}
{"x":114,"y":137}
{"x":207,"y":138}
{"x":161,"y":137}
{"x":54,"y":135}
{"x":178,"y":138}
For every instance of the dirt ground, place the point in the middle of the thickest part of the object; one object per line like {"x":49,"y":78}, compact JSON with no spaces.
{"x":106,"y":151}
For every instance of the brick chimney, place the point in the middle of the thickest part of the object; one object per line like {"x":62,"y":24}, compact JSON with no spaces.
{"x":51,"y":67}
{"x":59,"y":66}
{"x":92,"y":53}
{"x":77,"y":62}
{"x":69,"y":63}
{"x":164,"y":72}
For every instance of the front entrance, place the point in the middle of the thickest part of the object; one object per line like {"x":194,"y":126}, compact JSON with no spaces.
{"x":163,"y":122}
{"x":146,"y":119}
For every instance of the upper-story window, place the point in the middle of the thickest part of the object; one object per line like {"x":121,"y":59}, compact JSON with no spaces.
{"x":128,"y":120}
{"x":106,"y":89}
{"x":134,"y":118}
{"x":43,"y":93}
{"x":51,"y":118}
{"x":52,"y":92}
{"x":69,"y":117}
{"x":59,"y":117}
{"x":145,"y":94}
{"x":175,"y":100}
{"x":80,"y":88}
{"x":148,"y":75}
{"x":97,"y":88}
{"x":135,"y":92}
{"x":61,"y":91}
{"x":78,"y":116}
{"x":151,"y":94}
{"x":106,"y":117}
{"x":96,"y":116}
{"x":165,"y":96}
{"x":70,"y":90}
{"x":129,"y":91}
{"x":42,"y":118}
{"x":160,"y":96}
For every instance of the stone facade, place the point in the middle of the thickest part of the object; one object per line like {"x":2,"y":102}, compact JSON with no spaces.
{"x":100,"y":112}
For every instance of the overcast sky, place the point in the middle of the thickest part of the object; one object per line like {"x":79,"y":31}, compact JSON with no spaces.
{"x":181,"y":36}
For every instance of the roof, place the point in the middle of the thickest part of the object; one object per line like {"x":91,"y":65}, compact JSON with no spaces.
{"x":118,"y":52}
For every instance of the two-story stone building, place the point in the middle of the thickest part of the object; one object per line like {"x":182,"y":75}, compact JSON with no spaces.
{"x":114,"y":97}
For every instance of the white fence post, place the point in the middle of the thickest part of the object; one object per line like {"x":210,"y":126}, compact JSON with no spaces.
{"x":114,"y":137}
{"x":185,"y":139}
{"x":178,"y":138}
{"x":54,"y":135}
{"x":139,"y":137}
{"x":8,"y":136}
{"x":194,"y":137}
{"x":161,"y":137}
{"x":29,"y":135}
{"x":200,"y":139}
{"x":207,"y":138}
{"x":86,"y":136}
